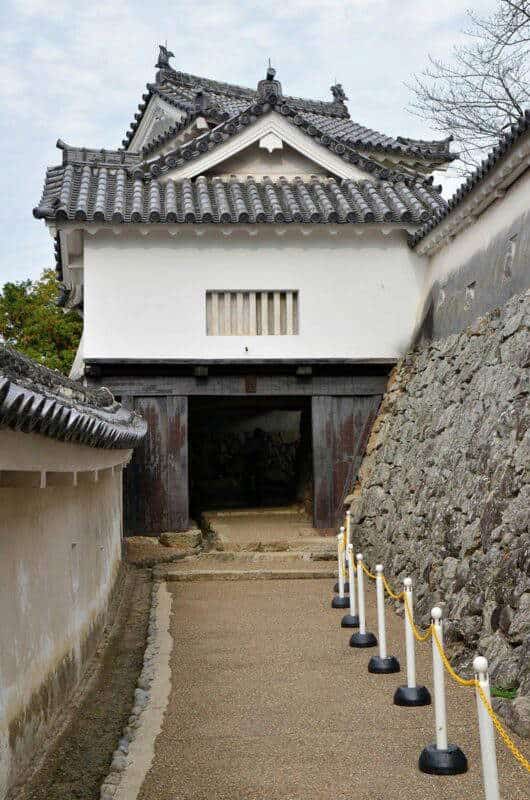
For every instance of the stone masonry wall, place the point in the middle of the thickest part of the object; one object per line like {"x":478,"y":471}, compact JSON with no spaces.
{"x":444,"y":495}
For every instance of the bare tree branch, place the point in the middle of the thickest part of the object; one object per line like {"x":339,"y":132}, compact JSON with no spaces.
{"x":486,"y":85}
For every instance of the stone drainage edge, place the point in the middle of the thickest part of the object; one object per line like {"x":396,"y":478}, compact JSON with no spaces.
{"x":133,"y":757}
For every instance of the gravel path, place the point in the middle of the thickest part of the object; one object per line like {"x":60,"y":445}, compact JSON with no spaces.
{"x":268,"y":702}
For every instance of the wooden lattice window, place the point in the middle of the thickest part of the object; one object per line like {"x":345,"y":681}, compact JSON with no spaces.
{"x":252,"y":313}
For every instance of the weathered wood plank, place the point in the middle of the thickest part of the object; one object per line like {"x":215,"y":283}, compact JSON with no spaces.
{"x":340,"y":426}
{"x":157,"y":481}
{"x":321,"y":421}
{"x":215,"y":385}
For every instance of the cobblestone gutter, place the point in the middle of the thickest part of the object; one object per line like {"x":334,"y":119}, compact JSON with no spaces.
{"x":135,"y":751}
{"x":444,"y":495}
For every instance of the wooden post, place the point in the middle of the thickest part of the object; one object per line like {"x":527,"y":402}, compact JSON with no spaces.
{"x":157,"y":491}
{"x":340,"y":427}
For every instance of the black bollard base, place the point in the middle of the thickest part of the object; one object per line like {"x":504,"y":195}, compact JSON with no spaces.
{"x":346,"y":587}
{"x":363,"y":640}
{"x":442,"y":762}
{"x":412,"y":696}
{"x":350,"y":621}
{"x":340,"y":602}
{"x":383,"y":666}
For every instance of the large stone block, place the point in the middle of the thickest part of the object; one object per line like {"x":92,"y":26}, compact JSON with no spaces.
{"x":184,"y":540}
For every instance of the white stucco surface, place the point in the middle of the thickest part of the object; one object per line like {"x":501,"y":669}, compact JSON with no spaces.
{"x":496,"y":218}
{"x":59,"y":554}
{"x":145,"y":295}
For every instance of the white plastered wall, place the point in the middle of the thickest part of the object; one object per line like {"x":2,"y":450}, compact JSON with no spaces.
{"x":497,"y":217}
{"x":60,"y":549}
{"x":145,"y":295}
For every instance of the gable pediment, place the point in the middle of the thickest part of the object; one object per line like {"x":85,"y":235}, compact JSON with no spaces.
{"x":264,"y":145}
{"x":158,"y":118}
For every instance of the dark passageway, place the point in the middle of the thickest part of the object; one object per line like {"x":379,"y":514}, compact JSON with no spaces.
{"x":249,"y":452}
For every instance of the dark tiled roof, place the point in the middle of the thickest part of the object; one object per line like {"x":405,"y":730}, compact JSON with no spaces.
{"x":34,"y":399}
{"x":179,"y":89}
{"x":81,"y":192}
{"x":231,"y":127}
{"x":506,"y":142}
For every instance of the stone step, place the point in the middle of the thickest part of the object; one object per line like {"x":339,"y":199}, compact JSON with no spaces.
{"x":253,"y":556}
{"x":283,"y":548}
{"x":248,"y":572}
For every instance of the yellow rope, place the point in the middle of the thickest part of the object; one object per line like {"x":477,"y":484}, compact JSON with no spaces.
{"x":366,"y":571}
{"x":501,"y":731}
{"x":390,"y":593}
{"x":447,"y":663}
{"x":431,"y":631}
{"x":421,"y":637}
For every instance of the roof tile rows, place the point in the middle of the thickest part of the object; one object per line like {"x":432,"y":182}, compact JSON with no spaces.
{"x":35,"y":399}
{"x":235,"y":125}
{"x":101,"y":194}
{"x":506,"y":142}
{"x":180,"y":90}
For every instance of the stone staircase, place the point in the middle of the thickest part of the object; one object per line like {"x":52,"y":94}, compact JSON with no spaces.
{"x":256,"y":544}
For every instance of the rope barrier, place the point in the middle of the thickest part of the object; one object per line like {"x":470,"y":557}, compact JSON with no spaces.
{"x":516,"y":753}
{"x":423,"y":637}
{"x":390,"y":593}
{"x":367,"y":572}
{"x":447,"y":664}
{"x":420,"y":637}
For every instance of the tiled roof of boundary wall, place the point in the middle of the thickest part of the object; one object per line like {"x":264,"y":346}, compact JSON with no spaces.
{"x":35,"y":399}
{"x":506,"y":143}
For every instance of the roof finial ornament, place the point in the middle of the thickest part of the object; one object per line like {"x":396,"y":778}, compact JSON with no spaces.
{"x":163,"y":57}
{"x":269,"y":90}
{"x":339,"y":95}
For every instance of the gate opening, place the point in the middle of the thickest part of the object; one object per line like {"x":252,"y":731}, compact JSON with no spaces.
{"x":249,"y":453}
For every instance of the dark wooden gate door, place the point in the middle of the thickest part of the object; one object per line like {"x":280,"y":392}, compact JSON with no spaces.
{"x":340,"y":429}
{"x":156,"y":480}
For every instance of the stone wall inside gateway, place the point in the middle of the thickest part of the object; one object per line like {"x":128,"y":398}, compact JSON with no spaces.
{"x":444,"y":495}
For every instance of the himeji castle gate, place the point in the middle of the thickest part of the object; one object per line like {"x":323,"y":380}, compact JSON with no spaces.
{"x":244,"y":275}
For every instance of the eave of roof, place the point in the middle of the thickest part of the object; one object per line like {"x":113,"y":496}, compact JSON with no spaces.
{"x":506,"y":144}
{"x":35,"y":399}
{"x":85,"y":193}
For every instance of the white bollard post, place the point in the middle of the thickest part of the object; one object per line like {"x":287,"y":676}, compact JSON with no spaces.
{"x":438,"y":680}
{"x":380,"y":592}
{"x":362,"y":638}
{"x":440,"y":758}
{"x":360,"y":589}
{"x":410,"y":695}
{"x":348,"y":528}
{"x":344,"y":561}
{"x":488,"y":754}
{"x":409,"y":635}
{"x":383,"y":664}
{"x":345,"y":554}
{"x":351,"y":620}
{"x":340,"y":601}
{"x":347,"y":541}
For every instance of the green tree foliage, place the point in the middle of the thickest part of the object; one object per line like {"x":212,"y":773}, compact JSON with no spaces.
{"x":31,"y":322}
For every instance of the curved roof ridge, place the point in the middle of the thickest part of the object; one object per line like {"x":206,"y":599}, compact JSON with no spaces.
{"x":235,"y":124}
{"x":505,"y":144}
{"x":177,"y":88}
{"x":36,"y":399}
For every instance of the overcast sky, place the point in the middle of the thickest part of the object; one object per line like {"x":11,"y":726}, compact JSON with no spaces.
{"x":77,"y":71}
